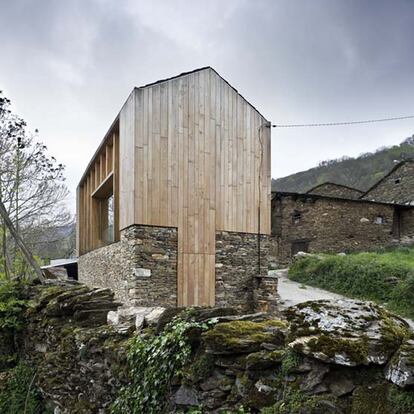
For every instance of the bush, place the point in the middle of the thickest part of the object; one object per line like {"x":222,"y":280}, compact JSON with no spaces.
{"x":12,"y":304}
{"x":386,"y":277}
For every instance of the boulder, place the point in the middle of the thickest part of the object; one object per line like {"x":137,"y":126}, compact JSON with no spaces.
{"x":400,"y":369}
{"x":152,"y":317}
{"x":345,"y":332}
{"x":242,"y":336}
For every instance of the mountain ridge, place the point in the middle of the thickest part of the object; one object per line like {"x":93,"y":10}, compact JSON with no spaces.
{"x":360,"y":172}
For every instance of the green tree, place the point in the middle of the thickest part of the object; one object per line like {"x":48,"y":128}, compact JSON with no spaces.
{"x":32,"y":187}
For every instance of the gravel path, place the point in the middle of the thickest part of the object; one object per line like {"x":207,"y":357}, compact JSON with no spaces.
{"x":292,"y":293}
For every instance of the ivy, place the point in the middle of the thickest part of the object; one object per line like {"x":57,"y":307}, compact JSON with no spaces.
{"x":154,"y":361}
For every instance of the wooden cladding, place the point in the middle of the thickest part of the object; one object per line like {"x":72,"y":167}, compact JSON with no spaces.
{"x":99,"y":182}
{"x":195,"y":155}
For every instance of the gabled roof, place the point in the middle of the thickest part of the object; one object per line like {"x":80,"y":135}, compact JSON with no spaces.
{"x":195,"y":71}
{"x":395,"y":168}
{"x":115,"y":122}
{"x":335,"y":184}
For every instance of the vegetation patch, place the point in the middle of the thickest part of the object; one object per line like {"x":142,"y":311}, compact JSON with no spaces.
{"x":12,"y":304}
{"x":154,"y":361}
{"x":385,"y":277}
{"x":18,"y":392}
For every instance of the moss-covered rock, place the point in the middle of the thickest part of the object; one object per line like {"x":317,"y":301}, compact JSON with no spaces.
{"x":244,"y":336}
{"x":346,"y":332}
{"x":263,"y":360}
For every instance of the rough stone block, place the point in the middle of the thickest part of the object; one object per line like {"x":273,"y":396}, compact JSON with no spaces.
{"x":141,"y":272}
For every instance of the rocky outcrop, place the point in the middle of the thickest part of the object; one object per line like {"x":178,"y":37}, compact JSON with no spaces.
{"x":79,"y":359}
{"x":319,"y":357}
{"x":323,"y":358}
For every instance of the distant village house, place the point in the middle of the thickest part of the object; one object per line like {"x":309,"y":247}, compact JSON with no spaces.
{"x":334,"y":218}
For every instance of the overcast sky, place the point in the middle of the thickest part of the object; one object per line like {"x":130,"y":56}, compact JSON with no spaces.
{"x":68,"y":66}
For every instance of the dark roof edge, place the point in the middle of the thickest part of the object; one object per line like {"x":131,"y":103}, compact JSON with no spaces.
{"x":393,"y":169}
{"x":352,"y":200}
{"x":338,"y":185}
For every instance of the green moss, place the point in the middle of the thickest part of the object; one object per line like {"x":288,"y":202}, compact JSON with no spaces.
{"x":264,"y":359}
{"x":293,"y":401}
{"x":401,"y":401}
{"x":244,"y":336}
{"x":199,"y":369}
{"x":371,"y":400}
{"x":290,"y":361}
{"x":355,"y":349}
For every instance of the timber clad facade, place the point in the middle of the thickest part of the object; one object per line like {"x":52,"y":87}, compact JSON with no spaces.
{"x":190,"y":154}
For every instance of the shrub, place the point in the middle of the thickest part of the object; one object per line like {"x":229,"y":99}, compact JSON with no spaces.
{"x":18,"y":393}
{"x":12,"y":304}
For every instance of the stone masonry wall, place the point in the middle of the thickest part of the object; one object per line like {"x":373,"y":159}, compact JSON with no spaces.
{"x":237,"y":268}
{"x":336,"y":190}
{"x":407,"y":226}
{"x":141,"y":268}
{"x":397,"y":187}
{"x":328,"y":225}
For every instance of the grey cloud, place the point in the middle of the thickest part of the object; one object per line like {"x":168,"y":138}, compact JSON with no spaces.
{"x":69,"y":65}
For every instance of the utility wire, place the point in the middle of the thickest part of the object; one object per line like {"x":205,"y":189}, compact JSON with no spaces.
{"x":327,"y":124}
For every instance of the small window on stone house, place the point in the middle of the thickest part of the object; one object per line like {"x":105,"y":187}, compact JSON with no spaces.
{"x":296,"y":217}
{"x":397,"y":180}
{"x":379,"y":220}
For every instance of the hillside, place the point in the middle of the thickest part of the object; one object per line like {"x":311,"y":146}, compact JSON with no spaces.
{"x":360,"y":172}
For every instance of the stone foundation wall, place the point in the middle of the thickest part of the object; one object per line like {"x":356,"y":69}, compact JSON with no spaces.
{"x":237,"y":268}
{"x":141,"y":268}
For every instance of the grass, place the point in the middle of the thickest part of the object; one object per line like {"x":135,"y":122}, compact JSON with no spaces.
{"x":385,"y":277}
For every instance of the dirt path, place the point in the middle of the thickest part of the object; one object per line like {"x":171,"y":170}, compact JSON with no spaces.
{"x":292,"y":293}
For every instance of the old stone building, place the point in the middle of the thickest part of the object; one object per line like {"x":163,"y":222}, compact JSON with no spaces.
{"x":319,"y":223}
{"x":336,"y":190}
{"x":174,"y":207}
{"x":396,"y":187}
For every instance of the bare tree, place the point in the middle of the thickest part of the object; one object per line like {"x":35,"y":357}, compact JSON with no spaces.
{"x":32,"y":187}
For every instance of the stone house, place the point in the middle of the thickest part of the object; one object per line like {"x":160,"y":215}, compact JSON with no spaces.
{"x":395,"y":187}
{"x":320,"y":223}
{"x":336,"y":190}
{"x":174,"y":206}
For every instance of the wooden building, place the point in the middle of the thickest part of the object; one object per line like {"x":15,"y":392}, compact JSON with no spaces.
{"x":187,"y":153}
